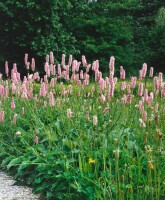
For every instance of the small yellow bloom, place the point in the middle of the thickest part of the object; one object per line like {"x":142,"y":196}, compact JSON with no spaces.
{"x":91,"y":161}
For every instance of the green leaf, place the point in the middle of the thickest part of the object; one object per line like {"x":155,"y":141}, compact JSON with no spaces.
{"x":14,"y":162}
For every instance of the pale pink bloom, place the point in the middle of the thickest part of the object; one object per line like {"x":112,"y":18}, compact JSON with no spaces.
{"x":96,"y":75}
{"x":140,"y":75}
{"x":30,"y":77}
{"x":123,"y":85}
{"x":81,"y":75}
{"x":15,"y":119}
{"x":52,"y":82}
{"x":111,"y":79}
{"x":133,"y":81}
{"x":129,"y":98}
{"x":2,"y":90}
{"x":12,"y":105}
{"x":144,"y":70}
{"x":102,"y":85}
{"x":30,"y":93}
{"x":6,"y":91}
{"x":87,"y":116}
{"x":95,"y":120}
{"x":161,"y":79}
{"x":122,"y":73}
{"x":26,"y":58}
{"x":150,"y":100}
{"x":87,"y":68}
{"x":18,"y":76}
{"x":24,"y":95}
{"x":140,"y":89}
{"x":115,"y":80}
{"x":142,"y":110}
{"x":95,"y":66}
{"x":6,"y":69}
{"x":70,"y":61}
{"x":51,"y":58}
{"x":36,"y":139}
{"x":163,"y":91}
{"x":152,"y":95}
{"x":43,"y":90}
{"x":46,"y":66}
{"x":53,"y":69}
{"x":143,"y":99}
{"x":142,"y":124}
{"x":84,"y":62}
{"x":107,"y":80}
{"x":2,"y":116}
{"x":51,"y":99}
{"x":79,"y":83}
{"x":151,"y":72}
{"x":156,"y":107}
{"x":111,"y":89}
{"x":45,"y":104}
{"x":77,"y":77}
{"x":156,"y":84}
{"x":59,"y":70}
{"x":69,"y":113}
{"x":124,"y":99}
{"x":18,"y":133}
{"x":14,"y":68}
{"x":145,"y":116}
{"x":47,"y":58}
{"x":33,"y":64}
{"x":27,"y":64}
{"x":102,"y":98}
{"x":14,"y":77}
{"x":93,"y":88}
{"x":70,"y":89}
{"x":63,"y":60}
{"x":112,"y":64}
{"x":128,"y":88}
{"x":23,"y":110}
{"x":36,"y":76}
{"x":48,"y":73}
{"x":106,"y":110}
{"x":145,"y":95}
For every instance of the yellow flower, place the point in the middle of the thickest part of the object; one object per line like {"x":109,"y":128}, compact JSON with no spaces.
{"x":91,"y":161}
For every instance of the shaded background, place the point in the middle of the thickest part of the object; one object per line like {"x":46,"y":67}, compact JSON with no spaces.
{"x":133,"y":31}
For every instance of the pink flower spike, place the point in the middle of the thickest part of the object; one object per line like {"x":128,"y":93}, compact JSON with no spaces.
{"x":51,"y":99}
{"x":23,"y":110}
{"x":63,"y":60}
{"x":106,"y":110}
{"x":33,"y":64}
{"x":2,"y":116}
{"x":70,"y":61}
{"x":51,"y":58}
{"x":69,"y":113}
{"x":36,"y":139}
{"x":95,"y":120}
{"x":151,"y":72}
{"x":6,"y":69}
{"x":12,"y":105}
{"x":140,"y":90}
{"x":15,"y":119}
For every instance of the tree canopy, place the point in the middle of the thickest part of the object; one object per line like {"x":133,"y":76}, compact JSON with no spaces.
{"x":131,"y":30}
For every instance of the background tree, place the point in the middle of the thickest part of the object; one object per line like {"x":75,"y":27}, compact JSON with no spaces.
{"x":126,"y":29}
{"x":35,"y":27}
